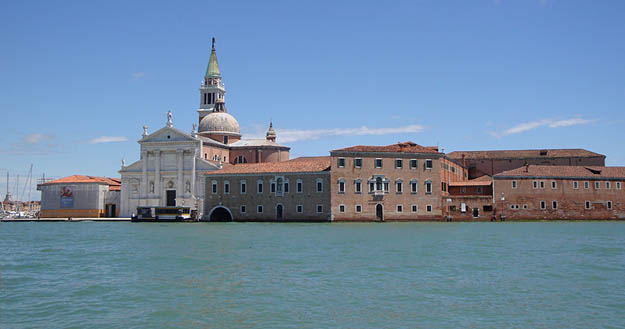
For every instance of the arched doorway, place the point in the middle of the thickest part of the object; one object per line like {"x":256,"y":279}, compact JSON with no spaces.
{"x":379,"y":212}
{"x":279,"y":212}
{"x":220,"y":214}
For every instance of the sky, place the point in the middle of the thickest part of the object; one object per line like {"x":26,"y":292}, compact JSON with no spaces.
{"x":79,"y":79}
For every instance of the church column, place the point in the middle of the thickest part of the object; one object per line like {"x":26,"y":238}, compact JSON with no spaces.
{"x":157,"y":175}
{"x":144,"y":178}
{"x":193,"y":173}
{"x":179,"y":186}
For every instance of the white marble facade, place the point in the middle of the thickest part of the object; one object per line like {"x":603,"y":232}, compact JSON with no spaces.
{"x":167,"y":174}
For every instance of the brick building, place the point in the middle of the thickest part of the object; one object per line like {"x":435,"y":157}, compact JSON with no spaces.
{"x":481,"y":163}
{"x":470,"y":200}
{"x":560,"y":192}
{"x":403,"y":181}
{"x":294,"y":190}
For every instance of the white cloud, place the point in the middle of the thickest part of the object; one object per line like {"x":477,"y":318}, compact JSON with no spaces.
{"x":36,"y":138}
{"x":107,"y":139}
{"x":526,"y":126}
{"x":570,"y":122}
{"x":138,"y":75}
{"x":293,"y":135}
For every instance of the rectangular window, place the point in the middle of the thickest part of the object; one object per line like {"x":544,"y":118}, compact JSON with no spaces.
{"x":342,"y":208}
{"x":259,"y":187}
{"x":286,"y":187}
{"x":299,"y":186}
{"x":554,"y":204}
{"x":618,"y":185}
{"x":400,"y":208}
{"x":587,"y":204}
{"x":319,"y":186}
{"x":358,"y":208}
{"x":607,"y":185}
{"x":413,"y":187}
{"x":413,"y":163}
{"x":542,"y":184}
{"x":414,"y":208}
{"x":378,"y":163}
{"x":259,"y":209}
{"x":358,"y":187}
{"x":358,"y":163}
{"x":575,"y":185}
{"x":299,"y":208}
{"x":319,"y":208}
{"x":273,"y":187}
{"x":386,"y":187}
{"x":586,"y":185}
{"x":554,"y":185}
{"x":214,"y":187}
{"x":371,"y":187}
{"x":341,"y":163}
{"x":428,"y":187}
{"x":479,"y":190}
{"x":243,"y":187}
{"x":341,"y":187}
{"x":243,"y":209}
{"x":597,"y":185}
{"x":428,"y":208}
{"x":543,"y":205}
{"x":226,"y":187}
{"x":399,"y":187}
{"x":535,"y":184}
{"x":428,"y":164}
{"x":513,"y":184}
{"x":399,"y":163}
{"x":609,"y":204}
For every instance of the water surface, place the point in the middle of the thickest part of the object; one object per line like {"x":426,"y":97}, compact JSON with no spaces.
{"x":245,"y":275}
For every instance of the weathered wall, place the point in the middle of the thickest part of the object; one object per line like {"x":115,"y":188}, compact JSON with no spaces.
{"x":571,"y":202}
{"x":350,"y":199}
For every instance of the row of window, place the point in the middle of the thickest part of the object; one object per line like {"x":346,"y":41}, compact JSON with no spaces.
{"x":298,"y":208}
{"x":378,"y":163}
{"x":381,"y":184}
{"x":398,"y":208}
{"x":279,"y":186}
{"x":554,"y":185}
{"x":215,"y":156}
{"x":554,"y":205}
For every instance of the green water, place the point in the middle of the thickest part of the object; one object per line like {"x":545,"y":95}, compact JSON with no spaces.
{"x":245,"y":275}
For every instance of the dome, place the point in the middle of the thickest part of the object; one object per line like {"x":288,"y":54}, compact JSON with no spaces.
{"x":219,"y":123}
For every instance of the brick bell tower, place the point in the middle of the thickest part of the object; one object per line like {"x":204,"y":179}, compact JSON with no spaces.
{"x":212,"y":88}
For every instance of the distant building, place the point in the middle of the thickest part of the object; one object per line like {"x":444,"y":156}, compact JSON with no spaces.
{"x":403,"y":181}
{"x":80,"y":196}
{"x":560,"y":192}
{"x":480,"y":163}
{"x":170,"y":171}
{"x":295,"y":190}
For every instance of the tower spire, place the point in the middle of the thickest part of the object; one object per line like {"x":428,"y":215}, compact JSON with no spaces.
{"x":213,"y":67}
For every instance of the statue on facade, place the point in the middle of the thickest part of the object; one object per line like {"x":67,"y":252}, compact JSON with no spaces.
{"x":123,"y":163}
{"x":145,"y":131}
{"x":194,"y":130}
{"x":170,"y":123}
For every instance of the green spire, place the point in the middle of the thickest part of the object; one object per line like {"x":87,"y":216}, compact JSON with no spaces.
{"x":213,"y":67}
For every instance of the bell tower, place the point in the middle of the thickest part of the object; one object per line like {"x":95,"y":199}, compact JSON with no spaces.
{"x":212,"y":88}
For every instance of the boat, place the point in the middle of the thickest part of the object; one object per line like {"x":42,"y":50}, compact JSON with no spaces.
{"x":162,"y":214}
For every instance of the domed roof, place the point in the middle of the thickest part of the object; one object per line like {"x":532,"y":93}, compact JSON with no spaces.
{"x":219,"y":123}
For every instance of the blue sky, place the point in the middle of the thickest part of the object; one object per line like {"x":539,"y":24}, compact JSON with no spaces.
{"x":79,"y":79}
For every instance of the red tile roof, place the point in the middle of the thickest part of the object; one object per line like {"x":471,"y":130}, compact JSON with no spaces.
{"x":523,"y":154}
{"x":113,"y":183}
{"x":480,"y":181}
{"x":565,"y":171}
{"x":304,"y":164}
{"x":405,"y":147}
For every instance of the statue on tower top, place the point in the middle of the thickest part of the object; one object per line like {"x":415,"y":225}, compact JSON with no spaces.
{"x":170,"y":123}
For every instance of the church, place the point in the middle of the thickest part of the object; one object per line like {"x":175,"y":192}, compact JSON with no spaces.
{"x":173,"y":164}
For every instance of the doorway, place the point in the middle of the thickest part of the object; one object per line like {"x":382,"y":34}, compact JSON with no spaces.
{"x":111,"y":210}
{"x":379,"y":212}
{"x":171,"y":198}
{"x":476,"y":212}
{"x":220,"y":214}
{"x":279,"y":212}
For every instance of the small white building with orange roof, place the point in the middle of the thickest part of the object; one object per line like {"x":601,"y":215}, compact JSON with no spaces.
{"x":80,"y":196}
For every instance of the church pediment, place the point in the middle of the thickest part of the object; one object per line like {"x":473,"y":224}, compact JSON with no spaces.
{"x":167,"y":134}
